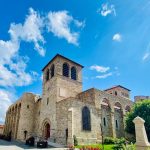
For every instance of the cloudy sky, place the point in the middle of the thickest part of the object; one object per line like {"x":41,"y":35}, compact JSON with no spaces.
{"x":110,"y":38}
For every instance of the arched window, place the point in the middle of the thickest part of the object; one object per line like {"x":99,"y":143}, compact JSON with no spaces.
{"x":86,"y":119}
{"x":73,"y":73}
{"x":52,"y":70}
{"x":65,"y":70}
{"x":47,"y":75}
{"x":116,"y":93}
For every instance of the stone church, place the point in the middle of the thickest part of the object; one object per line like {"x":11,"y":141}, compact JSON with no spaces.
{"x":64,"y":110}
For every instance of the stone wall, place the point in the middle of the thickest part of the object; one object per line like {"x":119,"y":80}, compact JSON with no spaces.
{"x":140,"y":98}
{"x":26,"y":121}
{"x":115,"y":111}
{"x":23,"y":116}
{"x":69,"y":116}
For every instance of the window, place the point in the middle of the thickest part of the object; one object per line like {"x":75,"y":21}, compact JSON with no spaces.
{"x":116,"y":93}
{"x":117,"y":124}
{"x":52,"y":70}
{"x":86,"y":119}
{"x":28,"y":106}
{"x":104,"y":121}
{"x":65,"y":70}
{"x":73,"y":73}
{"x":47,"y":75}
{"x":47,"y":101}
{"x":25,"y":134}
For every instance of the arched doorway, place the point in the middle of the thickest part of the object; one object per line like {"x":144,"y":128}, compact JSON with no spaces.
{"x":47,"y":131}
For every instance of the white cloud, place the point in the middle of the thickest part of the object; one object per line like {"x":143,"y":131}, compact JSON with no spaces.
{"x":104,"y":76}
{"x":107,"y":9}
{"x":117,"y":37}
{"x":12,"y":66}
{"x":101,"y":69}
{"x":146,"y":56}
{"x":5,"y":101}
{"x":59,"y":24}
{"x":30,"y":31}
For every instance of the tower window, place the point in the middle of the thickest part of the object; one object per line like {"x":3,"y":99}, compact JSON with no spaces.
{"x":116,"y":93}
{"x":86,"y":119}
{"x":52,"y":70}
{"x":47,"y":75}
{"x":65,"y":70}
{"x":117,"y":124}
{"x":73,"y":73}
{"x":104,"y":121}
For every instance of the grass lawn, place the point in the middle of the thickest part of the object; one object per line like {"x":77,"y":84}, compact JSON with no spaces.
{"x":107,"y":147}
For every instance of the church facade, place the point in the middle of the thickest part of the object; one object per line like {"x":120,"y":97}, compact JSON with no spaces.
{"x":64,"y":110}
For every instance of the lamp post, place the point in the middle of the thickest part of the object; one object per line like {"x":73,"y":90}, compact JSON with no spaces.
{"x":102,"y":136}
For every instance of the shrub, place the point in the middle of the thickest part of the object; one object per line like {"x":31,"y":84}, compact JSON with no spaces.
{"x":75,"y":140}
{"x":109,"y":140}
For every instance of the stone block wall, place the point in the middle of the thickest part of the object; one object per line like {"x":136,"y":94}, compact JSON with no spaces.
{"x":26,"y":121}
{"x":69,"y":114}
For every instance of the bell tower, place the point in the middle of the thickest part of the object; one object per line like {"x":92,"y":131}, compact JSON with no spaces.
{"x":62,"y":78}
{"x":63,"y":75}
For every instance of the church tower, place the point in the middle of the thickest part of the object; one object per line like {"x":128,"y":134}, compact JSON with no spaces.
{"x":62,"y":78}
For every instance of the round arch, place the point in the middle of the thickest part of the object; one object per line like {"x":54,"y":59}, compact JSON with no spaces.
{"x":105,"y":103}
{"x":117,"y":106}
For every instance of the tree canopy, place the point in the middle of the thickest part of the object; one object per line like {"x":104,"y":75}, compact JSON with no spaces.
{"x":141,"y":109}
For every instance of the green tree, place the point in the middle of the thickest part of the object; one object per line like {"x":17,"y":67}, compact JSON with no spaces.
{"x":141,"y":109}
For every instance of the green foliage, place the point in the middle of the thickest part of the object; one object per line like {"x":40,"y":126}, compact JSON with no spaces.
{"x":141,"y":109}
{"x":75,"y":140}
{"x":109,"y":140}
{"x":119,"y":144}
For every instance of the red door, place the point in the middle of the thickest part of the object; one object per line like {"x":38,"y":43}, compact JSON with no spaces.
{"x":47,"y":132}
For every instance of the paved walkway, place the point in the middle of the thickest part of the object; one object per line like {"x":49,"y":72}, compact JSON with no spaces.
{"x":4,"y":145}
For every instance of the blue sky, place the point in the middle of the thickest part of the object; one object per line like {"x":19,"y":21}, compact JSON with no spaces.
{"x":110,"y":38}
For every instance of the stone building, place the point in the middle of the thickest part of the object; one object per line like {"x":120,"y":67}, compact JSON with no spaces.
{"x":1,"y":129}
{"x":64,"y":110}
{"x":140,"y":98}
